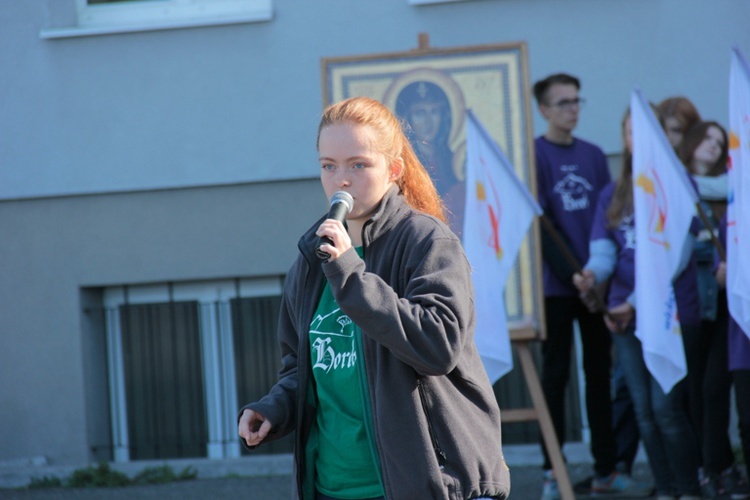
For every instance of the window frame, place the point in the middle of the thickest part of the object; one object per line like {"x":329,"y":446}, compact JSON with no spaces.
{"x":215,"y":331}
{"x":429,"y":2}
{"x":149,"y":15}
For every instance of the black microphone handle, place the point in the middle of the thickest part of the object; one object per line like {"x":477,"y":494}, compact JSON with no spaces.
{"x":320,"y":253}
{"x":338,"y":212}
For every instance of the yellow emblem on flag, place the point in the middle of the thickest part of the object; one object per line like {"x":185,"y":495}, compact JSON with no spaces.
{"x":646,"y":184}
{"x":734,"y":141}
{"x":658,"y":213}
{"x":481,"y":195}
{"x":494,"y":239}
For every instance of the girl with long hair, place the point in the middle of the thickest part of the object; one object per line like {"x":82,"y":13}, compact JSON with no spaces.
{"x":662,"y":419}
{"x":380,"y":378}
{"x":704,"y":151}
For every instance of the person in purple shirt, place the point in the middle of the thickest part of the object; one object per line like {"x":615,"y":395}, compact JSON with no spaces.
{"x":570,"y":173}
{"x":738,"y":344}
{"x":663,"y":421}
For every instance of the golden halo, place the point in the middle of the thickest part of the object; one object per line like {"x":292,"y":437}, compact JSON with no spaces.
{"x":442,"y":80}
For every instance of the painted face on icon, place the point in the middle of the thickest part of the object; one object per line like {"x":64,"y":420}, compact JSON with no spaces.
{"x":425,"y":119}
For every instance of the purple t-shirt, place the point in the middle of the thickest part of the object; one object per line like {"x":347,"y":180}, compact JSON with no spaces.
{"x":569,"y":178}
{"x":739,"y":343}
{"x":622,"y":283}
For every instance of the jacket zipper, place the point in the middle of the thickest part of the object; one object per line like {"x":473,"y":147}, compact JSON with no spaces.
{"x":304,"y":353}
{"x":366,"y":404}
{"x":367,"y":410}
{"x":440,"y":455}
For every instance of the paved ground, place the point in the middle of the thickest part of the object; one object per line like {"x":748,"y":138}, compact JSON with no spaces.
{"x":526,"y":484}
{"x":225,"y":480}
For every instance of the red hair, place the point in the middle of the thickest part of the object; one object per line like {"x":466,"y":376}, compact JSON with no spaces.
{"x":682,"y":109}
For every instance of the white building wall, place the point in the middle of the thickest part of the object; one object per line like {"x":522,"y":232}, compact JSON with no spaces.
{"x":240,"y":103}
{"x":189,"y":154}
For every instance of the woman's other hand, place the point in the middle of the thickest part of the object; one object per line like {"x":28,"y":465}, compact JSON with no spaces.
{"x":721,"y":274}
{"x":253,"y":427}
{"x":584,"y":281}
{"x":619,"y":317}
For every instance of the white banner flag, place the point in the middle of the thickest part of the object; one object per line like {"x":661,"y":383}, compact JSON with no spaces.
{"x":738,"y":210}
{"x":499,"y":210}
{"x":664,"y":202}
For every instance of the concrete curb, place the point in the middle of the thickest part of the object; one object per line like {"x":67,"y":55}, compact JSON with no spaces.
{"x":20,"y":472}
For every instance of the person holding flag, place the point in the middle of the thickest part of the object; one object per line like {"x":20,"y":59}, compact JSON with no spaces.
{"x":731,"y":481}
{"x":733,"y":272}
{"x":662,"y":418}
{"x":704,"y":152}
{"x":570,"y":174}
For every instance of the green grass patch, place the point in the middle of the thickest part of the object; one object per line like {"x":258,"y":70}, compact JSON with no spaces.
{"x":103,"y":476}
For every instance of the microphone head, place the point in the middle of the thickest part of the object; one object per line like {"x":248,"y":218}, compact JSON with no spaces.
{"x":343,"y":197}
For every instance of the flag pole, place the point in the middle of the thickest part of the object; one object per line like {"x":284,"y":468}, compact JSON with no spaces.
{"x":550,"y":228}
{"x":714,"y":239}
{"x":572,"y":260}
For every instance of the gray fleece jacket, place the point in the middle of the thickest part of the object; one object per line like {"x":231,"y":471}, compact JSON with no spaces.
{"x":435,"y":418}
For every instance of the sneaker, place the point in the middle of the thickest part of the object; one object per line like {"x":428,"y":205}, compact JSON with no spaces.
{"x":624,"y":467}
{"x":710,"y":488}
{"x":730,"y":484}
{"x":550,"y":491}
{"x":734,"y":485}
{"x":618,"y":484}
{"x":583,"y":487}
{"x":741,"y":491}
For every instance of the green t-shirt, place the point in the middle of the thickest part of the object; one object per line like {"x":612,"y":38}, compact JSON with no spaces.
{"x":345,"y":464}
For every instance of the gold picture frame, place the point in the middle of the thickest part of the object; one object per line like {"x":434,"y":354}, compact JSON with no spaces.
{"x":492,"y":81}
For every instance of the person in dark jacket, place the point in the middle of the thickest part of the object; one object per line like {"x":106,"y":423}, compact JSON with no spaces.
{"x":380,"y":377}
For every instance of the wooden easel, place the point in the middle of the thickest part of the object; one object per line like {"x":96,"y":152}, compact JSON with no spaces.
{"x":540,"y":413}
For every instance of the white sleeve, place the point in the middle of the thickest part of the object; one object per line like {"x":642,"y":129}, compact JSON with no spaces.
{"x":712,"y":188}
{"x":602,"y":258}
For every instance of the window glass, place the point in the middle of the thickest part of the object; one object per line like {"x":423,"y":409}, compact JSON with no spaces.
{"x":155,"y":14}
{"x":92,"y":2}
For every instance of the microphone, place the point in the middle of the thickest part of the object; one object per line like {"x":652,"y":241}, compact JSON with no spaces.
{"x":341,"y":204}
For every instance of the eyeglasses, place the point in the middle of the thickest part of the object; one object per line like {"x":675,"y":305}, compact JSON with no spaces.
{"x":567,"y":104}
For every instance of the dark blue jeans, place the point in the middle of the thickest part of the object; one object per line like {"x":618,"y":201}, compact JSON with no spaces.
{"x":624,"y":424}
{"x":662,"y":421}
